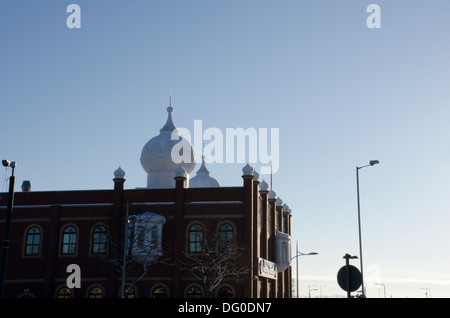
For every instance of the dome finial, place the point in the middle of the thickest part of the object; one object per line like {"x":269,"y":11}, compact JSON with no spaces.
{"x":203,"y":169}
{"x":169,"y":126}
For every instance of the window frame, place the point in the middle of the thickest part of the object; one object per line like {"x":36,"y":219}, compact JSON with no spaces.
{"x":159,"y":286}
{"x":33,"y":244}
{"x":195,"y":238}
{"x":226,"y":243}
{"x":72,"y":243}
{"x":68,"y":293}
{"x":91,"y":294}
{"x":96,"y":243}
{"x":199,"y":294}
{"x":220,"y":292}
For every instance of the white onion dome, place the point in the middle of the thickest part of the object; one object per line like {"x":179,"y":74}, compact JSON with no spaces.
{"x":203,"y":179}
{"x":119,"y":173}
{"x":256,"y":174}
{"x":279,"y":202}
{"x":156,"y":155}
{"x":263,"y":186}
{"x":180,"y":172}
{"x":272,"y":195}
{"x":248,"y":170}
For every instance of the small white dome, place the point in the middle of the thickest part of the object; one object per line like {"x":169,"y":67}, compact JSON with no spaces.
{"x":272,"y":195}
{"x":180,"y":172}
{"x":203,"y":179}
{"x":279,"y":202}
{"x":263,"y":186}
{"x":248,"y":170}
{"x":119,"y":173}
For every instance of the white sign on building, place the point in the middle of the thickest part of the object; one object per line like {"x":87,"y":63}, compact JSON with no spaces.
{"x":267,"y":269}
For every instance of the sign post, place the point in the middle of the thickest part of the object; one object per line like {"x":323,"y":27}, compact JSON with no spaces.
{"x":349,"y":277}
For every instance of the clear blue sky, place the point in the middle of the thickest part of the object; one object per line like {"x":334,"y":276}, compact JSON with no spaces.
{"x":77,"y":103}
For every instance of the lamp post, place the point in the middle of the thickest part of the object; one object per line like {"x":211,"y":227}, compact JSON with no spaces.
{"x":311,"y":289}
{"x":371,"y":163}
{"x":347,"y":258}
{"x":297,"y":256}
{"x":6,"y":235}
{"x":384,"y":287}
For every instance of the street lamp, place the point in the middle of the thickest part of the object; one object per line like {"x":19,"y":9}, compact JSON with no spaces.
{"x":6,"y":235}
{"x":384,"y":286}
{"x":309,"y":290}
{"x":296,"y":256}
{"x":371,"y":163}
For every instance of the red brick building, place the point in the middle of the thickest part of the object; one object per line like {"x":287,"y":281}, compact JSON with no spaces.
{"x":51,"y":230}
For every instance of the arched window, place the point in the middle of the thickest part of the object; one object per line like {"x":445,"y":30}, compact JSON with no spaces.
{"x":99,"y":240}
{"x":64,"y":293}
{"x":33,"y":241}
{"x":95,"y":292}
{"x":195,"y":238}
{"x":226,"y":237}
{"x":159,"y":292}
{"x":69,"y":241}
{"x":194,"y":292}
{"x":225,"y":292}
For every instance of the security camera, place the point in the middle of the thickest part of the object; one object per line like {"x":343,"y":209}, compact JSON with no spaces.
{"x":6,"y":163}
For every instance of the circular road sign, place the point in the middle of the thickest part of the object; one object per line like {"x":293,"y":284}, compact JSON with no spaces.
{"x":355,"y":279}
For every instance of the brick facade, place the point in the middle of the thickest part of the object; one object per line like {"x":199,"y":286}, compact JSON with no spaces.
{"x":38,"y":268}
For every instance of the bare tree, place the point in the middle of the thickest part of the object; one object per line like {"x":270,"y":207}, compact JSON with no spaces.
{"x":138,"y":250}
{"x":212,"y":257}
